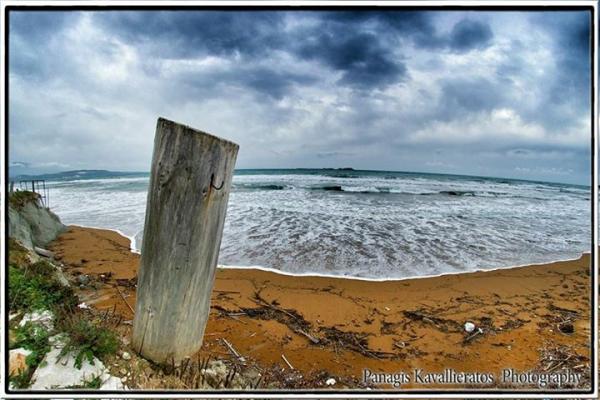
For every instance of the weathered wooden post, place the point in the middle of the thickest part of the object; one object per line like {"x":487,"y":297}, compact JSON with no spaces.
{"x":187,"y":201}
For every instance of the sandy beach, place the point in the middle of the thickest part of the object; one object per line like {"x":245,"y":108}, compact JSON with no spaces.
{"x":531,"y":318}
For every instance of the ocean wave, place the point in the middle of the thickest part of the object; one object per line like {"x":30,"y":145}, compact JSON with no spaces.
{"x":260,"y":186}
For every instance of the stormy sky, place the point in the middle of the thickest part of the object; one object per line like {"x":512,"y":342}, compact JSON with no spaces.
{"x":481,"y":93}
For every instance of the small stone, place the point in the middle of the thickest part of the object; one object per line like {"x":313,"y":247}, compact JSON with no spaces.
{"x":17,"y":361}
{"x":469,"y":327}
{"x":330,"y":382}
{"x":123,"y":371}
{"x":83,"y":279}
{"x":43,"y":318}
{"x":126,"y":356}
{"x":124,"y":379}
{"x":112,"y":383}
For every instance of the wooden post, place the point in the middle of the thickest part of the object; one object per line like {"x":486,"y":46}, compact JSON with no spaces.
{"x":187,"y":201}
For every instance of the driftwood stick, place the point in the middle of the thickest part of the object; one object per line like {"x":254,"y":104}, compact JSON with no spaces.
{"x":287,"y":362}
{"x":235,"y":353}
{"x":124,"y":301}
{"x":469,"y":338}
{"x":309,"y":337}
{"x":262,"y":302}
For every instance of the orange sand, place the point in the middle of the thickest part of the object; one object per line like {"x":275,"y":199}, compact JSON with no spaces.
{"x":517,"y":308}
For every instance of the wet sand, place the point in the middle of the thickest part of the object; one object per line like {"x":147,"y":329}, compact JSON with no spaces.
{"x":334,"y":327}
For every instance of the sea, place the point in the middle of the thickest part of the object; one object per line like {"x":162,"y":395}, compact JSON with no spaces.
{"x":365,"y":224}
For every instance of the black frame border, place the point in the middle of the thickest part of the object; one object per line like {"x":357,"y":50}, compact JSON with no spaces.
{"x":308,"y":392}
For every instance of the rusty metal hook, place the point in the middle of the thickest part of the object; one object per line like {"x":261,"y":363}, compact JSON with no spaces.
{"x":212,"y":178}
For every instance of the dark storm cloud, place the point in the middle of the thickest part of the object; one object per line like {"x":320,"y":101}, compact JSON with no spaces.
{"x":188,"y":33}
{"x":361,"y":58}
{"x":468,"y":35}
{"x":419,"y":27}
{"x":39,"y":28}
{"x":568,"y":89}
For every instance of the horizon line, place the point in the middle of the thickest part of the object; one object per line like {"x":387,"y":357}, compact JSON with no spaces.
{"x":322,"y":168}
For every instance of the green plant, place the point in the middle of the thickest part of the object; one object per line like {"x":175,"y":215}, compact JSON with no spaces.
{"x":36,"y":288}
{"x":21,"y":381}
{"x":93,"y":383}
{"x":87,"y":340}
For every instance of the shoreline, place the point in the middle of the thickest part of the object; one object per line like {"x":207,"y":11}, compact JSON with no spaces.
{"x":341,"y":326}
{"x":134,"y":250}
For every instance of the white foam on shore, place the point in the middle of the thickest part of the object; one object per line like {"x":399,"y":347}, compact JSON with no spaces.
{"x":357,"y":278}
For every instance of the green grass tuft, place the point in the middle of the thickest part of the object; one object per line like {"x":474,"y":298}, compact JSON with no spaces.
{"x":35,"y":288}
{"x":93,"y":383}
{"x":86,"y":340}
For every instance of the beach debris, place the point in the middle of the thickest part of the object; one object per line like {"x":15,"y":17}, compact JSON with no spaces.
{"x":232,"y":350}
{"x":124,"y":301}
{"x":330,"y":382}
{"x":513,"y":324}
{"x":561,"y":318}
{"x":472,"y":336}
{"x":564,"y":357}
{"x":43,"y":252}
{"x":287,"y":362}
{"x":444,"y":325}
{"x":226,"y":291}
{"x":469,"y":327}
{"x":567,"y":328}
{"x":83,"y":306}
{"x":313,"y":339}
{"x":129,"y":283}
{"x":353,"y":341}
{"x":291,"y":318}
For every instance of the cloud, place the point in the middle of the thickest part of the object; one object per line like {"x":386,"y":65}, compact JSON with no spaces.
{"x":469,"y":34}
{"x":363,"y":61}
{"x":465,"y":92}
